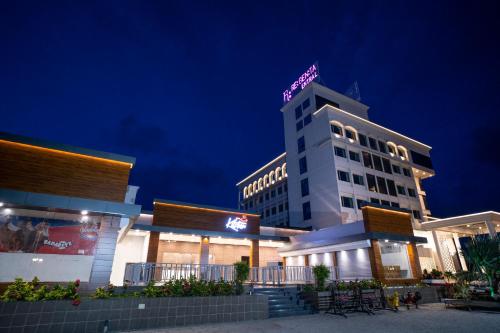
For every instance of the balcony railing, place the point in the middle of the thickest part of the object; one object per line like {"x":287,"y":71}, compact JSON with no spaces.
{"x":143,"y":273}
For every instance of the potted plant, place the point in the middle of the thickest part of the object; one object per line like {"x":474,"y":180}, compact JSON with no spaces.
{"x":318,"y":295}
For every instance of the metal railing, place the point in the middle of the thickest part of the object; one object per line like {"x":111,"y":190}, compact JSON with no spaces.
{"x":143,"y":273}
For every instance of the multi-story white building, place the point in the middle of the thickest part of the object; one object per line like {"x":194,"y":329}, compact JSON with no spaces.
{"x":336,"y":159}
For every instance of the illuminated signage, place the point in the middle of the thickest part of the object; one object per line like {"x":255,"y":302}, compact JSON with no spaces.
{"x":237,"y":223}
{"x":309,"y":76}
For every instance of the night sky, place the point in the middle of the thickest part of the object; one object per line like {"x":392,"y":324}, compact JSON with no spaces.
{"x":193,"y":90}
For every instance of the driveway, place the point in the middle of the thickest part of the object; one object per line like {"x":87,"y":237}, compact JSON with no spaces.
{"x":429,"y":318}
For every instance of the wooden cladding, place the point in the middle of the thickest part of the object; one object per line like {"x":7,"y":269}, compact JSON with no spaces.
{"x":190,"y":217}
{"x":40,"y":170}
{"x":385,"y":220}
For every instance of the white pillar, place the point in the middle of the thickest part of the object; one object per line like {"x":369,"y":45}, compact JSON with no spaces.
{"x":438,"y":250}
{"x":491,"y":229}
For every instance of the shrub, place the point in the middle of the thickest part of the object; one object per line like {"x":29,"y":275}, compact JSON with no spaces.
{"x":104,"y":292}
{"x":242,"y":270}
{"x":33,"y":291}
{"x":321,"y":273}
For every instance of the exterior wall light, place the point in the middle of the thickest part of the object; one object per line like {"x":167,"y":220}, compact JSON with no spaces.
{"x":387,"y":241}
{"x":1,"y":204}
{"x":84,"y":212}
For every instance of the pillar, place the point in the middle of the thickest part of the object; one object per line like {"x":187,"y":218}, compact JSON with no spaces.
{"x":491,"y":229}
{"x":306,"y":260}
{"x":204,"y":250}
{"x":154,"y":243}
{"x":335,"y":266}
{"x":414,"y":261}
{"x":254,"y":253}
{"x":376,"y":261}
{"x":438,"y":250}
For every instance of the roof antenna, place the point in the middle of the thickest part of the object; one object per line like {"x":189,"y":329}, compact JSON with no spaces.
{"x":353,"y":92}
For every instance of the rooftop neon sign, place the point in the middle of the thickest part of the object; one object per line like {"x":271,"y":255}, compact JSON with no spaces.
{"x":310,"y":75}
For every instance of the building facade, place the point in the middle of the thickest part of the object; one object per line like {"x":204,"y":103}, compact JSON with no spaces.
{"x":336,"y":160}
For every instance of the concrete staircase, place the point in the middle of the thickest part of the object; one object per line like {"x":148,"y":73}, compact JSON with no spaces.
{"x":284,"y":301}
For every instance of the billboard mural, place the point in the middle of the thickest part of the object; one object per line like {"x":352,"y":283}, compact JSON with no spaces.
{"x":24,"y":234}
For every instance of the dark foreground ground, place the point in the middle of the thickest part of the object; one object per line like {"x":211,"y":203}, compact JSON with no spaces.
{"x":429,"y":318}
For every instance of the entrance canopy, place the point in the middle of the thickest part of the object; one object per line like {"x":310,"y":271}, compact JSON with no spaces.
{"x":471,"y":224}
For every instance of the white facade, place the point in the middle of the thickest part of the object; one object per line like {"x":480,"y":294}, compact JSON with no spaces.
{"x":334,"y":198}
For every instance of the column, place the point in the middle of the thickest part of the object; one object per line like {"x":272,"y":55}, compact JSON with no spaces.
{"x":204,"y":250}
{"x":254,"y":253}
{"x":414,"y":261}
{"x":438,"y":250}
{"x":335,"y":266}
{"x":306,"y":260}
{"x":104,"y":252}
{"x":154,"y":244}
{"x":491,"y":229}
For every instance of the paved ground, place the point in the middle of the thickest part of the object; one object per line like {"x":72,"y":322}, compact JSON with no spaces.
{"x":429,"y":318}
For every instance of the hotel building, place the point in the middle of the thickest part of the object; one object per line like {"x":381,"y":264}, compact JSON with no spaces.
{"x":346,"y":193}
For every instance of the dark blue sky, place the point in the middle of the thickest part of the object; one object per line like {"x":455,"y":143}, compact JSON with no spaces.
{"x":193,"y":90}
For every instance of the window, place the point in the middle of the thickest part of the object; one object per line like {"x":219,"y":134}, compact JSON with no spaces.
{"x":273,"y":193}
{"x":367,"y":160}
{"x":306,"y":211}
{"x":267,"y":212}
{"x":267,"y":196}
{"x":299,"y":125}
{"x":280,"y":190}
{"x":336,"y":129}
{"x":307,"y":119}
{"x":416,"y":214}
{"x":353,"y":156}
{"x":394,"y":204}
{"x":298,"y":112}
{"x":387,"y":165}
{"x":301,"y":144}
{"x":360,"y":203}
{"x":420,"y":159}
{"x":375,"y":201}
{"x":406,"y":172}
{"x":392,"y":149}
{"x":280,"y":208}
{"x":350,"y":134}
{"x":303,"y":165}
{"x":391,"y":187}
{"x":321,"y":101}
{"x":401,"y":190}
{"x":377,"y":162}
{"x":340,"y":152}
{"x":358,"y":179}
{"x":372,"y":185}
{"x":373,"y":143}
{"x":273,"y":211}
{"x":306,"y":104}
{"x":382,"y":147}
{"x":250,"y":204}
{"x":362,"y":140}
{"x":381,"y":185}
{"x":347,"y":202}
{"x":385,"y":203}
{"x":261,"y":199}
{"x":396,"y":169}
{"x":304,"y":187}
{"x":411,"y":193}
{"x":343,"y":176}
{"x":286,"y":205}
{"x":286,"y":187}
{"x":402,"y":152}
